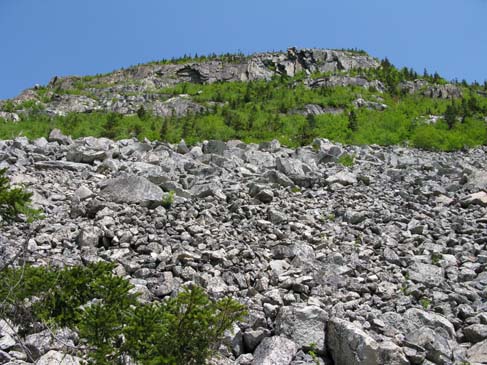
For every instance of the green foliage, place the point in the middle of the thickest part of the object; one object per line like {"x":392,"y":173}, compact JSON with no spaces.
{"x":99,"y":305}
{"x":15,"y":201}
{"x":450,"y":115}
{"x":352,"y":121}
{"x":262,"y":110}
{"x":181,"y":330}
{"x":347,"y":159}
{"x":168,"y":200}
{"x":8,"y":106}
{"x":425,"y":303}
{"x":436,"y":258}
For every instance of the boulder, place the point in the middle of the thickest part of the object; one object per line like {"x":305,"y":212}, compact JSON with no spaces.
{"x":304,"y":325}
{"x":58,"y":358}
{"x":350,"y":345}
{"x":275,"y":350}
{"x":57,"y":136}
{"x":132,"y":190}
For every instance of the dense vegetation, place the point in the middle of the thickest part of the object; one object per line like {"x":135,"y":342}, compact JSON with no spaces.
{"x":263,"y":110}
{"x":110,"y":321}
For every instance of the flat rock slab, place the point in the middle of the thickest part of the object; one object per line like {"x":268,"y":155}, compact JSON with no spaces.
{"x":63,"y":165}
{"x":132,"y":190}
{"x":429,"y":275}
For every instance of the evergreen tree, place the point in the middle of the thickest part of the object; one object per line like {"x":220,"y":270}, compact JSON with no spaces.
{"x":14,"y":201}
{"x":164,"y":132}
{"x":450,"y":115}
{"x":352,"y":121}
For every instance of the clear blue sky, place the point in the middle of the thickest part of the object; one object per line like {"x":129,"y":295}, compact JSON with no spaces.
{"x":43,"y":38}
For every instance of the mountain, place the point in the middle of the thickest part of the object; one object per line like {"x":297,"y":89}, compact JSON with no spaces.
{"x":294,"y":96}
{"x":343,"y":253}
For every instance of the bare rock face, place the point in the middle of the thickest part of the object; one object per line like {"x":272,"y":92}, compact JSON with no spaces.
{"x":447,"y":91}
{"x":176,"y":106}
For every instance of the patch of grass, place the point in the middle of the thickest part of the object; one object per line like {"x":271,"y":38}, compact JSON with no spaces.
{"x":347,"y":160}
{"x":425,"y":303}
{"x":168,"y":200}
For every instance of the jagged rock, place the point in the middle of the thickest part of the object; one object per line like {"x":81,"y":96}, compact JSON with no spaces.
{"x":58,"y":358}
{"x":350,"y":345}
{"x":57,"y":136}
{"x":177,"y":106}
{"x":10,"y":117}
{"x":85,"y":156}
{"x":62,"y":165}
{"x":303,"y":325}
{"x":275,"y":350}
{"x":343,"y":178}
{"x":475,"y":333}
{"x":372,"y":105}
{"x":429,"y":275}
{"x":216,"y":147}
{"x":479,"y":198}
{"x":371,"y":253}
{"x":478,"y":353}
{"x":438,"y":349}
{"x":132,"y":190}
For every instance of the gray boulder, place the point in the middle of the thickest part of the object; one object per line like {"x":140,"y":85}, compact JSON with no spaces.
{"x":304,"y":325}
{"x":132,"y":190}
{"x":275,"y":350}
{"x":478,"y":353}
{"x":349,"y":345}
{"x":58,"y":358}
{"x":57,"y":136}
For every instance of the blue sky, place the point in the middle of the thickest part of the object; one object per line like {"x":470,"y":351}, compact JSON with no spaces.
{"x":41,"y":39}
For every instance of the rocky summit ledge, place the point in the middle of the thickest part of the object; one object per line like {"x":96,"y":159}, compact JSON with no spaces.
{"x":380,"y":262}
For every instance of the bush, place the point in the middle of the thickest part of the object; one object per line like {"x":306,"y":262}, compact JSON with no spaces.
{"x":14,"y":201}
{"x":99,"y":305}
{"x":347,"y":160}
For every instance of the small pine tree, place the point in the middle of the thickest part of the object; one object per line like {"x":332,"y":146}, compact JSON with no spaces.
{"x":352,"y":121}
{"x":14,"y":201}
{"x":164,"y":132}
{"x":142,"y":113}
{"x":450,"y":115}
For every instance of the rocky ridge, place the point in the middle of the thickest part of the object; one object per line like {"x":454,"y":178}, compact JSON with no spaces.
{"x":382,"y":262}
{"x":126,"y":91}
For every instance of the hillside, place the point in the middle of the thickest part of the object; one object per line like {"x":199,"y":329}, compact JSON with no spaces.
{"x":214,"y":172}
{"x":345,"y":96}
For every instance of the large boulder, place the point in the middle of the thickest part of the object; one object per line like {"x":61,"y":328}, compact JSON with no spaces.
{"x":275,"y":350}
{"x":304,"y":325}
{"x":350,"y":345}
{"x":58,"y":358}
{"x":132,"y":190}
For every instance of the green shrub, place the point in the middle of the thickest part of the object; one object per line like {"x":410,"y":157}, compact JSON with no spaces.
{"x":347,"y":159}
{"x":99,"y":305}
{"x":168,"y":200}
{"x":14,"y":201}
